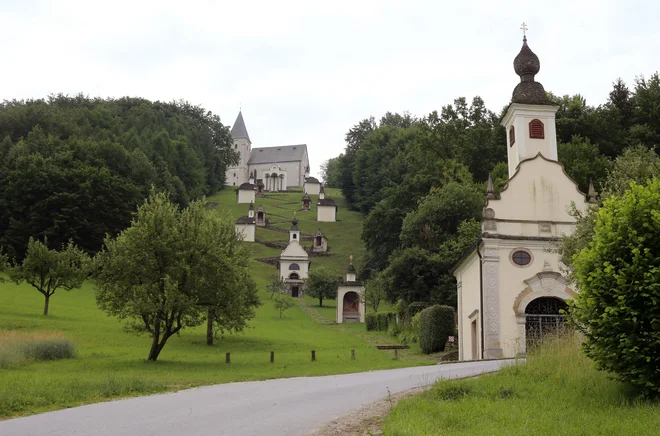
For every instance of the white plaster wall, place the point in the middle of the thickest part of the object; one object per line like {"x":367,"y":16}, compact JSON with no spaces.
{"x":303,"y":272}
{"x":247,"y":230}
{"x":539,"y":191}
{"x":326,"y":214}
{"x":246,"y":196}
{"x":312,"y":188}
{"x":236,"y":176}
{"x":341,"y":292}
{"x":294,"y":172}
{"x":469,"y":300}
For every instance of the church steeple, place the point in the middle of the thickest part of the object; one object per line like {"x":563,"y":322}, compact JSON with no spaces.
{"x":530,"y":118}
{"x":294,"y":232}
{"x":239,"y":131}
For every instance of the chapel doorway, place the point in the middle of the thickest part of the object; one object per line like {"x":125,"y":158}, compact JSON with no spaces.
{"x":295,"y":291}
{"x":319,"y":241}
{"x":351,"y":307}
{"x":543,"y":319}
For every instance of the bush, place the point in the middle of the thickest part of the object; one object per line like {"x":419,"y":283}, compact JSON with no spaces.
{"x":436,"y":324}
{"x":415,"y":308}
{"x":618,"y":307}
{"x":393,"y":330}
{"x":380,"y":321}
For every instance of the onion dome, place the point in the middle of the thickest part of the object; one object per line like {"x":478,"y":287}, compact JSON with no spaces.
{"x":294,"y":223}
{"x":527,"y":65}
{"x":351,"y":268}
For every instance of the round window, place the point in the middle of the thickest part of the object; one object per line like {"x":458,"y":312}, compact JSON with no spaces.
{"x":521,"y":258}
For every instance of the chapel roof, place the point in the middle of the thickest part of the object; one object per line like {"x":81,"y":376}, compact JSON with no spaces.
{"x":306,"y":197}
{"x":527,"y":65}
{"x":284,"y":153}
{"x":239,"y":131}
{"x":294,"y":251}
{"x":312,"y":180}
{"x":246,"y":186}
{"x":245,"y":220}
{"x":326,"y":202}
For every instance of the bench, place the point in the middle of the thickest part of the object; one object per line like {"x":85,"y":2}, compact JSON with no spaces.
{"x":393,"y":347}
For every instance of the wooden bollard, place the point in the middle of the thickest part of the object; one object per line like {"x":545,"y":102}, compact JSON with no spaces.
{"x":272,"y":357}
{"x":352,"y":354}
{"x":396,"y":355}
{"x":227,"y":358}
{"x":313,"y":355}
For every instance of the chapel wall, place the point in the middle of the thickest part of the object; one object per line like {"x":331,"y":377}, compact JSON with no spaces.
{"x":469,"y":300}
{"x":246,"y":196}
{"x":326,"y":214}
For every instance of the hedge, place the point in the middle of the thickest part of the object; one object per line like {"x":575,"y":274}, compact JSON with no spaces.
{"x":436,"y":324}
{"x":380,"y":320}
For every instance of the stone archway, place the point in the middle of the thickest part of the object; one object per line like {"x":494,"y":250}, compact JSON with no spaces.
{"x":546,"y":291}
{"x":351,"y":307}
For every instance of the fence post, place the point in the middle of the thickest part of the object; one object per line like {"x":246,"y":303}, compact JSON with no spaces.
{"x":396,"y":355}
{"x":227,"y":358}
{"x":272,"y":357}
{"x":352,"y":354}
{"x":313,"y":355}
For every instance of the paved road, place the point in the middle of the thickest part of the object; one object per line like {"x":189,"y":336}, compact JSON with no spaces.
{"x":293,"y":406}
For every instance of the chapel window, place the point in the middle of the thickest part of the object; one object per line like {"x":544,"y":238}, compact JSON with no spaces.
{"x":521,"y":257}
{"x":294,"y":236}
{"x":512,"y":136}
{"x":294,"y":276}
{"x":294,"y":267}
{"x":536,"y":129}
{"x":235,"y":146}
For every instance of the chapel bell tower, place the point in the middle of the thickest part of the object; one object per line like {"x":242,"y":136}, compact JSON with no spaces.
{"x":530,"y":118}
{"x":238,"y":174}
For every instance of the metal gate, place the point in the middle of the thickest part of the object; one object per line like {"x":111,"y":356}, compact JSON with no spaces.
{"x":543,"y":319}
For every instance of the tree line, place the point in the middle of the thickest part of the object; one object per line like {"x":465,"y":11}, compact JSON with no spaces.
{"x":421,"y":182}
{"x":76,"y":168}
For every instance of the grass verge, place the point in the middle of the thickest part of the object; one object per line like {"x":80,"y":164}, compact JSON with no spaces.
{"x":18,"y":348}
{"x":558,"y":391}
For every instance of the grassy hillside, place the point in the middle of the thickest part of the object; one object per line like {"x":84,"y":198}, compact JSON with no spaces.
{"x":111,"y":363}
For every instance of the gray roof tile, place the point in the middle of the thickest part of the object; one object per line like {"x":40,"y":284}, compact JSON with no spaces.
{"x":284,"y":153}
{"x":239,"y":130}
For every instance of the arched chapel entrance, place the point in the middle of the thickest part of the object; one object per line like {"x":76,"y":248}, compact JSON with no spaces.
{"x":543,"y":318}
{"x":351,"y":307}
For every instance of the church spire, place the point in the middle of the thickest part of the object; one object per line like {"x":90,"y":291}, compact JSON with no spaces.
{"x":490,"y":193}
{"x":239,"y":131}
{"x":592,"y":192}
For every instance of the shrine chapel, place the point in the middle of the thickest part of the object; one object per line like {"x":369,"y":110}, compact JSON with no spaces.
{"x":510,"y":286}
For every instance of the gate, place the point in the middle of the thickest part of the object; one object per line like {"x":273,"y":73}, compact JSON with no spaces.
{"x":542,"y":319}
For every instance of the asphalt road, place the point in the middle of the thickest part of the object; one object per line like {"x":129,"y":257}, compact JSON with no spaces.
{"x":292,"y":406}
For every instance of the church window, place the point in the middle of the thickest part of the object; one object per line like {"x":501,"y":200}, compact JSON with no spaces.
{"x":294,"y":236}
{"x":294,"y":267}
{"x":512,"y":136}
{"x":294,"y":276}
{"x":235,"y":146}
{"x":536,"y":129}
{"x":521,"y":257}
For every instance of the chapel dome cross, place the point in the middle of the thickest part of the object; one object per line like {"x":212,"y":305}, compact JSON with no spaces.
{"x":527,"y":65}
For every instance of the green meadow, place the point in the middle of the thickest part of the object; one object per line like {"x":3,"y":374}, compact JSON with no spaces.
{"x":110,"y":363}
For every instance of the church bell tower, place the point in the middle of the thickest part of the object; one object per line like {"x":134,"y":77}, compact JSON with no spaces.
{"x":238,"y":174}
{"x":530,"y":118}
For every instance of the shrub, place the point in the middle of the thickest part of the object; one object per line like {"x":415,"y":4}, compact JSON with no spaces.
{"x":370,"y":321}
{"x":379,"y":321}
{"x":436,"y":324}
{"x":393,"y":329}
{"x":618,"y":307}
{"x":415,"y":308}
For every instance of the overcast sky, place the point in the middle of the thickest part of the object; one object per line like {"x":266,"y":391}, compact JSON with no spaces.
{"x":306,"y":71}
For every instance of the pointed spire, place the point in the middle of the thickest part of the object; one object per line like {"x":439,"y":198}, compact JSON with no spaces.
{"x":592,"y":192}
{"x":239,"y":131}
{"x":490,"y":194}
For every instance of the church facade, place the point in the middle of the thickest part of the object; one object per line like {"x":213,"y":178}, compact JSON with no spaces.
{"x":278,"y":168}
{"x":510,"y":286}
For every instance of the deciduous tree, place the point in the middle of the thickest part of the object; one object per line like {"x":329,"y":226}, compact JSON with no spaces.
{"x":282,"y":302}
{"x":322,"y":284}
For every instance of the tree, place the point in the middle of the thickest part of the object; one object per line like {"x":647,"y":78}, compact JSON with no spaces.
{"x":375,"y":291}
{"x":330,"y":172}
{"x":275,"y":285}
{"x":322,"y":284}
{"x":282,"y":302}
{"x":49,"y":270}
{"x":171,"y":269}
{"x":583,"y":162}
{"x":618,"y":306}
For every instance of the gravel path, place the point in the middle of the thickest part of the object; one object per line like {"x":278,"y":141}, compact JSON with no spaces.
{"x":292,"y":406}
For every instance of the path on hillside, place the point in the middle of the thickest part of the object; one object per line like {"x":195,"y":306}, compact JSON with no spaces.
{"x":293,"y":406}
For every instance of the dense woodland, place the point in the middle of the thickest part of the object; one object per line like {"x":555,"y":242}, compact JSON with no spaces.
{"x":77,"y":167}
{"x":420,"y":182}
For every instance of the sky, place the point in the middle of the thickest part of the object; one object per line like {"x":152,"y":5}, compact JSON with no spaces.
{"x":307,"y":71}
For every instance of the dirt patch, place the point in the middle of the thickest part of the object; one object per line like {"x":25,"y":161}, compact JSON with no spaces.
{"x":367,"y":420}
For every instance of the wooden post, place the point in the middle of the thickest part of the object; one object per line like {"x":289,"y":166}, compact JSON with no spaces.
{"x":313,"y":355}
{"x":352,"y":354}
{"x":272,"y":357}
{"x":396,"y":355}
{"x":227,"y":358}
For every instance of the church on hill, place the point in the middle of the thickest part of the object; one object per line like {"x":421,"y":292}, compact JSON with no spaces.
{"x":510,"y":287}
{"x":277,"y":168}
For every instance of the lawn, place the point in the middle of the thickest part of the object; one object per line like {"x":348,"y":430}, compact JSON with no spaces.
{"x":557,"y":392}
{"x":111,"y":363}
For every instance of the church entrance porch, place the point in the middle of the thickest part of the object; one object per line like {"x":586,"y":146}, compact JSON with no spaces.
{"x":543,"y":319}
{"x":351,"y":307}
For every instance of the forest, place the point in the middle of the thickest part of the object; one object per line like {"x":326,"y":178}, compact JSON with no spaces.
{"x":76,"y":168}
{"x":421,"y":182}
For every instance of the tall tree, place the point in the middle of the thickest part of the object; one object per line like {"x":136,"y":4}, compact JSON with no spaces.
{"x":49,"y":270}
{"x":322,"y":284}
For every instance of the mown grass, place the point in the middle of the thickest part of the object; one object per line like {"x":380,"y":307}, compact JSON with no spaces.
{"x":557,"y":391}
{"x":18,"y":348}
{"x":111,"y":363}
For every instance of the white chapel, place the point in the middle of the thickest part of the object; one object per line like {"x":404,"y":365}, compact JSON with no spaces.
{"x":510,"y":288}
